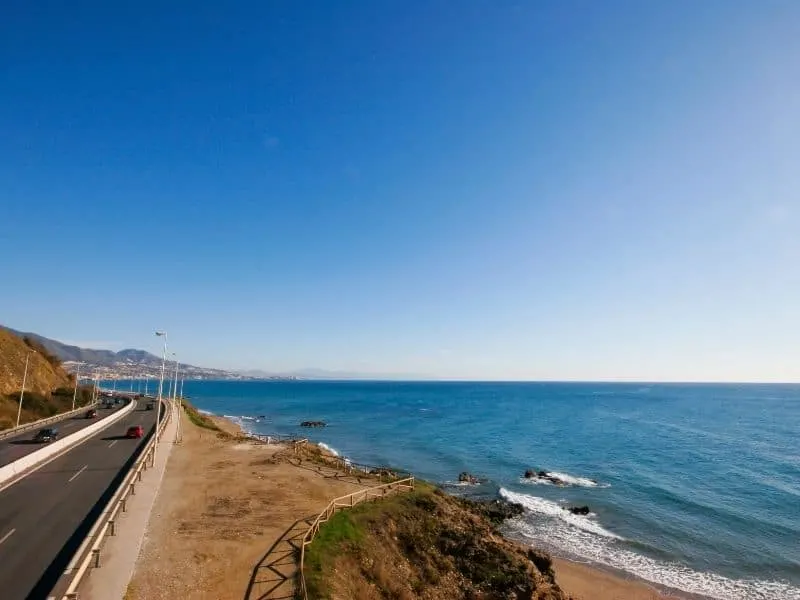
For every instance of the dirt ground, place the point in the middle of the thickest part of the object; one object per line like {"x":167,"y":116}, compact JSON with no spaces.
{"x":223,"y":505}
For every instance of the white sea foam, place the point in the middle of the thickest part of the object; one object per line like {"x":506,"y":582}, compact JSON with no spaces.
{"x":205,"y":412}
{"x":546,"y":524}
{"x":552,"y":509}
{"x":327,"y":448}
{"x":568,"y":479}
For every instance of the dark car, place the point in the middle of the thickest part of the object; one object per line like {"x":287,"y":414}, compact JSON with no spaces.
{"x":150,"y":406}
{"x":46,"y":435}
{"x":135,"y":432}
{"x":91,"y":413}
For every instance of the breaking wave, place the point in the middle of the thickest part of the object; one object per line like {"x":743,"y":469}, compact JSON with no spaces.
{"x":569,"y":480}
{"x":327,"y":448}
{"x":546,"y":524}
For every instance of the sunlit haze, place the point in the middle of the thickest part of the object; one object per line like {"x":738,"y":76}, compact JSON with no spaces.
{"x":476,"y":190}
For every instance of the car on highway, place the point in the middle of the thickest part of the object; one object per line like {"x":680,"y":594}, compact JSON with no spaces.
{"x":47,"y":435}
{"x":150,"y":406}
{"x":91,"y":413}
{"x":135,"y":432}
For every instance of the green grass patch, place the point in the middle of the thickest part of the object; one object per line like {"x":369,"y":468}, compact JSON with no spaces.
{"x":336,"y":535}
{"x":198,"y":418}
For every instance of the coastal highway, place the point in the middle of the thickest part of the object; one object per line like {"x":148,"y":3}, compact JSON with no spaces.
{"x":45,"y":516}
{"x":22,"y":444}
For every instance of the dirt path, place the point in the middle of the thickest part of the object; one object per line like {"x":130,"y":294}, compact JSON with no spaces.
{"x":227,"y":518}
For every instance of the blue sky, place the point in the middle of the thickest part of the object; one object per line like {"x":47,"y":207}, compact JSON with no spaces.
{"x":489,"y":190}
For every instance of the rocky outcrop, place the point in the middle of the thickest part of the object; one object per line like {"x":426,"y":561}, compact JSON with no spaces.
{"x":545,"y":476}
{"x":578,"y":510}
{"x":428,"y":545}
{"x":313,"y":424}
{"x":494,"y":511}
{"x":465,"y":477}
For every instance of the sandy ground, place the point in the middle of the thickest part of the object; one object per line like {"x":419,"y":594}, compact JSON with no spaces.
{"x":229,"y":513}
{"x":586,"y":583}
{"x":222,"y":506}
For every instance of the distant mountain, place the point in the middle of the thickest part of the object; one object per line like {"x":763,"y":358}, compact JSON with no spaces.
{"x":138,"y":364}
{"x":125,"y":364}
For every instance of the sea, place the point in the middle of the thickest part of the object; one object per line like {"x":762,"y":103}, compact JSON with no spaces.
{"x":693,"y":488}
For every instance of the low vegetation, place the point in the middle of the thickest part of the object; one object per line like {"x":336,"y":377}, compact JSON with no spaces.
{"x":423,"y":544}
{"x":198,"y":418}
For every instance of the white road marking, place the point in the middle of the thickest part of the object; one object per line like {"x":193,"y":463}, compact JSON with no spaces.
{"x":112,"y":443}
{"x":78,"y":473}
{"x":6,"y":536}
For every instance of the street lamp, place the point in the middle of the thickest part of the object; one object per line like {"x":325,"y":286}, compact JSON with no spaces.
{"x":160,"y":387}
{"x":77,"y":381}
{"x":175,"y":386}
{"x":174,"y":398}
{"x":24,"y":379}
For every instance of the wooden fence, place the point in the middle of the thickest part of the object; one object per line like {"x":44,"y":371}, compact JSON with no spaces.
{"x":349,"y":501}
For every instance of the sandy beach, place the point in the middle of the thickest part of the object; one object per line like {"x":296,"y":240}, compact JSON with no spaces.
{"x":583,"y":582}
{"x":229,"y":509}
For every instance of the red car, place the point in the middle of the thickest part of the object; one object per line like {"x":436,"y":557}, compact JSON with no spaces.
{"x":135,"y":432}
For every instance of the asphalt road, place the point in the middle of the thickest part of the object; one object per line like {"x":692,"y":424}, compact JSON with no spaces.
{"x":45,"y":516}
{"x":14,"y":448}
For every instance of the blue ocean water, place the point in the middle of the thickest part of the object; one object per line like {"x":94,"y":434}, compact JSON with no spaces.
{"x":693,"y":487}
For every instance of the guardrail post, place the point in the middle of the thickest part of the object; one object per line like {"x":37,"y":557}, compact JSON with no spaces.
{"x":125,"y":504}
{"x":96,"y":558}
{"x":139,"y":475}
{"x":112,"y":527}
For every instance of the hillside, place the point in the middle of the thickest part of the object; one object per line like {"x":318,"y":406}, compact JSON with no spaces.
{"x":425,"y":545}
{"x":126,"y":364}
{"x":45,"y":376}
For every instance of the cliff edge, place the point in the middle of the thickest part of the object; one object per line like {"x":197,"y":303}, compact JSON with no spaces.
{"x":424,"y":545}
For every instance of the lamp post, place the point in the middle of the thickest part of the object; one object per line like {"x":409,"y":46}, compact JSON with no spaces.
{"x":175,"y":386}
{"x":77,"y":381}
{"x":175,"y":399}
{"x":160,"y":388}
{"x":24,"y":379}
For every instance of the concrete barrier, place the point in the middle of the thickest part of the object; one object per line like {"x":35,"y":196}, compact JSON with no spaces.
{"x":13,"y":470}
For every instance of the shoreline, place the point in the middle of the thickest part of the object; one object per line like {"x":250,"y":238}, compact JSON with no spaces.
{"x":581,"y":580}
{"x":585,"y":580}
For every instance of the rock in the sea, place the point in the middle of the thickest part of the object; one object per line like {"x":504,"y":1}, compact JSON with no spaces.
{"x":465,"y":477}
{"x":313,"y":424}
{"x":545,"y":476}
{"x":579,"y":510}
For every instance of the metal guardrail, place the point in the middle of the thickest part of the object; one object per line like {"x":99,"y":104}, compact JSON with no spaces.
{"x":348,"y":501}
{"x":46,"y":421}
{"x":117,"y":504}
